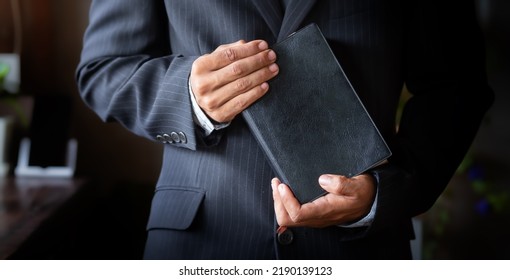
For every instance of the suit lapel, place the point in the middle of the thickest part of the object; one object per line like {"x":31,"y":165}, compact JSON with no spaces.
{"x":282,"y":24}
{"x":271,"y":11}
{"x":295,"y":12}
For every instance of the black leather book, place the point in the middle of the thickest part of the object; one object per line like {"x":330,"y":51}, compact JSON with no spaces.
{"x":311,"y":122}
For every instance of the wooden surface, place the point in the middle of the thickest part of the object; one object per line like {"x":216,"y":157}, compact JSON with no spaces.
{"x":26,"y":203}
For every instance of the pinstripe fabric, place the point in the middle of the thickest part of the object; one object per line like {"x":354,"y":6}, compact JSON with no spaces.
{"x":213,"y":198}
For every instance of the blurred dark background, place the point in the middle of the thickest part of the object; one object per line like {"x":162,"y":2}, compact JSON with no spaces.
{"x":105,"y":218}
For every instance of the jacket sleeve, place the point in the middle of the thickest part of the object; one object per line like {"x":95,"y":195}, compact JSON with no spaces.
{"x":129,"y":74}
{"x":445,"y":73}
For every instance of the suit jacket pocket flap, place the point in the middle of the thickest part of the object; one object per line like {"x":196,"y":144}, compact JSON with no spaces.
{"x":174,"y":208}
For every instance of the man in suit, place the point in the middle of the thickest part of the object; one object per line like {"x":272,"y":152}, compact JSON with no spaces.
{"x":180,"y":72}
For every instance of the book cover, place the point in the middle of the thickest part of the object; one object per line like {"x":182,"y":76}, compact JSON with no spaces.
{"x":311,"y":122}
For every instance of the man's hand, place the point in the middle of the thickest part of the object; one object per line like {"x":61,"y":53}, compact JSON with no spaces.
{"x":347,"y":200}
{"x":232,"y":77}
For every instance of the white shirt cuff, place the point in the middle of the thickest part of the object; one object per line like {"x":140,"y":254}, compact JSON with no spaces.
{"x":201,"y":119}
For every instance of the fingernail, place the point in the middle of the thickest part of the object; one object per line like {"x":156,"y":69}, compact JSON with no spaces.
{"x":273,"y":68}
{"x":264,"y":86}
{"x":263,"y":45}
{"x":325,"y":180}
{"x":280,"y":188}
{"x":271,"y":55}
{"x":281,"y":229}
{"x":273,"y":183}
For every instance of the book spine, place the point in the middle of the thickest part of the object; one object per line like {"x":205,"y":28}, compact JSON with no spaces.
{"x":258,"y":136}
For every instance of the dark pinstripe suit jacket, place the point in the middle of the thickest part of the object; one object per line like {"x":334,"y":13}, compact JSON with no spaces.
{"x":213,"y":198}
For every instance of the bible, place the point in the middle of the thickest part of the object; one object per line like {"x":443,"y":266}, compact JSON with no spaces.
{"x":311,"y":122}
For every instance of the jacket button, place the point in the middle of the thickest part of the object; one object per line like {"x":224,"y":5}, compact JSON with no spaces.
{"x":167,"y":138}
{"x":161,"y":139}
{"x":182,"y":137}
{"x":175,"y":137}
{"x":286,"y":237}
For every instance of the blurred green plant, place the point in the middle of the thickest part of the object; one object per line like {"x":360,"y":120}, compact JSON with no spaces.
{"x":10,"y":99}
{"x":4,"y":70}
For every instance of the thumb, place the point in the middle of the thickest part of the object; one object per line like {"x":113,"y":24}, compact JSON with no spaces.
{"x":335,"y":184}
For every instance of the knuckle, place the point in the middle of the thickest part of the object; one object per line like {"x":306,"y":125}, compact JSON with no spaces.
{"x":222,"y":47}
{"x":341,"y":184}
{"x":236,"y":70}
{"x":219,"y":48}
{"x":207,"y":102}
{"x":198,"y":65}
{"x":240,"y":104}
{"x":229,"y":54}
{"x":338,"y":181}
{"x":198,"y":88}
{"x":242,"y":84}
{"x":262,"y":58}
